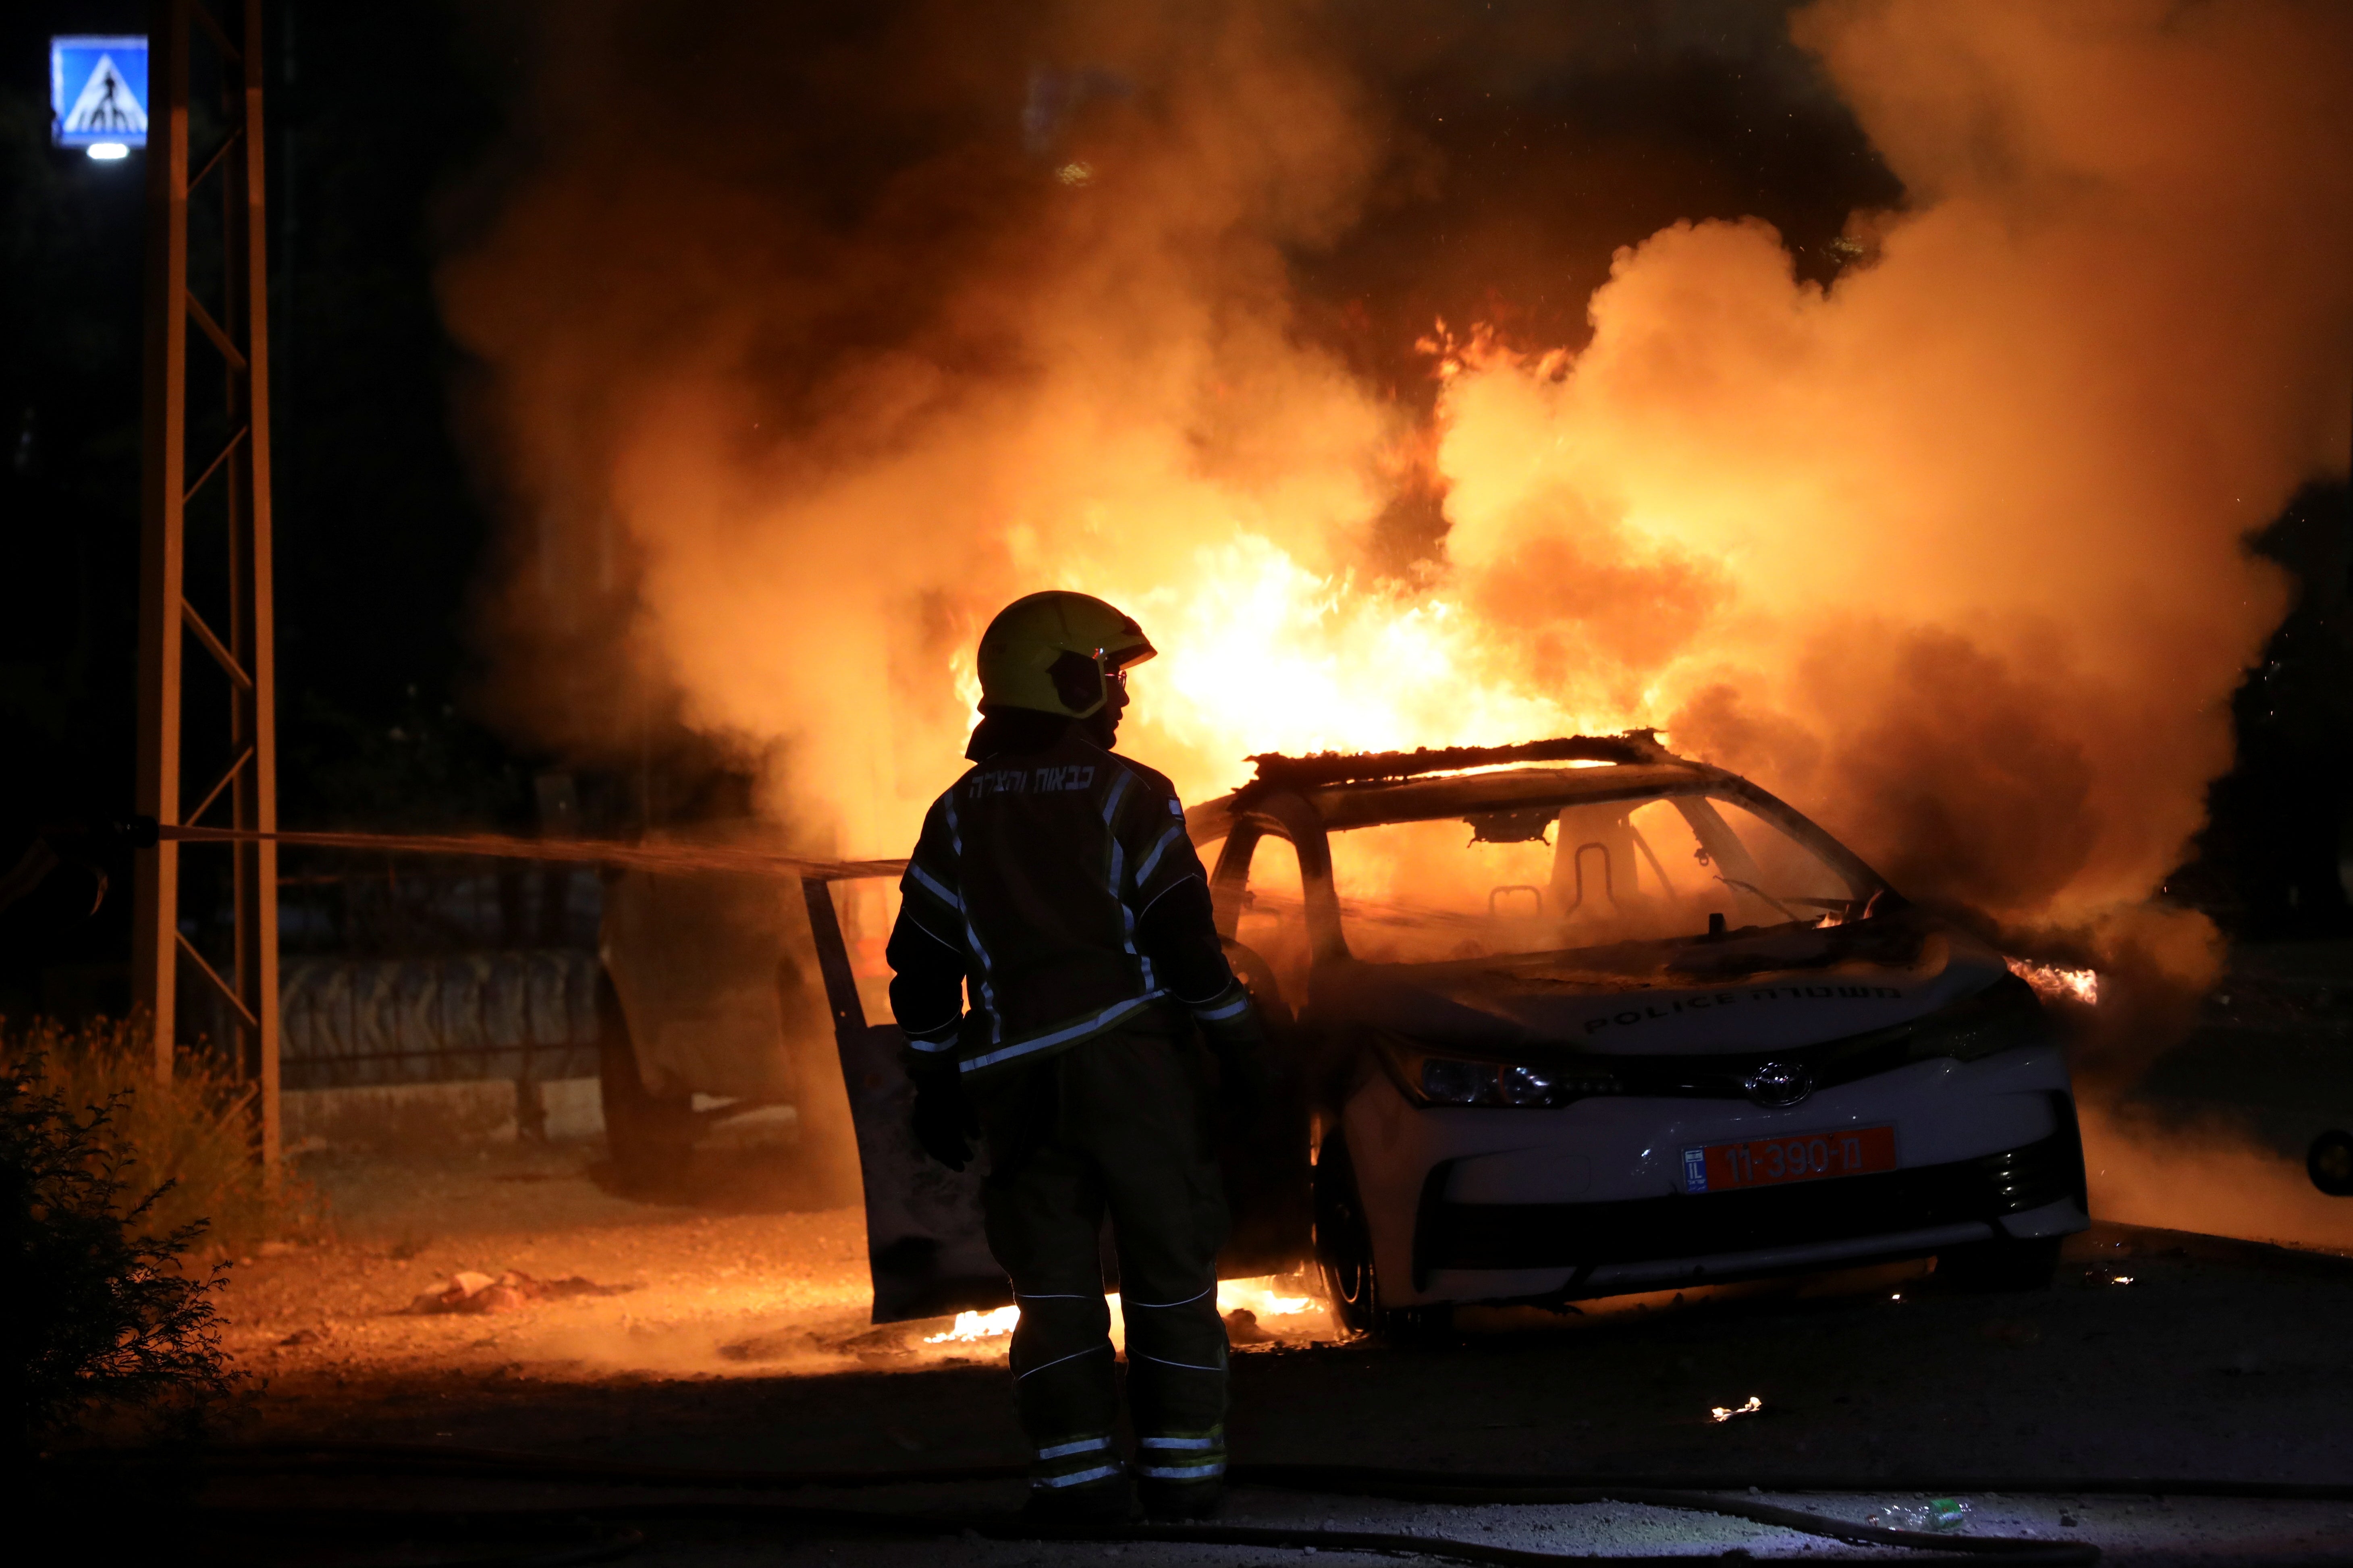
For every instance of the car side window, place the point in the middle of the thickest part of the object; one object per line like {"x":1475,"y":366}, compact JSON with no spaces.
{"x":869,"y":908}
{"x":1273,"y":922}
{"x":1439,"y":889}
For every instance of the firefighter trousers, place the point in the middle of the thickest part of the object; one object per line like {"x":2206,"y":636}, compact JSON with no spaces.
{"x":1117,"y":1125}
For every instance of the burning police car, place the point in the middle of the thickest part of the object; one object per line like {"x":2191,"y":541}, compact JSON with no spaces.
{"x":1583,"y":1018}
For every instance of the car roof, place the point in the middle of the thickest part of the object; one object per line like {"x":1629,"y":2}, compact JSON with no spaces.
{"x":1365,"y":803}
{"x":1465,"y":794}
{"x":1364,"y":789}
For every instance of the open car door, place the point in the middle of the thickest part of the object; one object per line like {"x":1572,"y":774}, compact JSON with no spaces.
{"x":924,"y":1238}
{"x":924,"y":1241}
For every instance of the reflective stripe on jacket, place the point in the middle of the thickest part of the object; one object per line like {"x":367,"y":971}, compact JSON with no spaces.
{"x":1036,"y":866}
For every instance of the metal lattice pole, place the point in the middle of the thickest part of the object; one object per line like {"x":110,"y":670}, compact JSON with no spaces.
{"x":236,"y":328}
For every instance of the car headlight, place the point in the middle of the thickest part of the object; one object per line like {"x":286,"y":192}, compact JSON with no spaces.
{"x":1430,"y":1078}
{"x":1445,"y":1081}
{"x":1526,"y":1084}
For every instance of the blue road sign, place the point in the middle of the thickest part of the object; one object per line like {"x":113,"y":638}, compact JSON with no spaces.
{"x":98,"y":91}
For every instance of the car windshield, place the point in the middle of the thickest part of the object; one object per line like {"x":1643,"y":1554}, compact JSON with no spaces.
{"x":1543,"y":881}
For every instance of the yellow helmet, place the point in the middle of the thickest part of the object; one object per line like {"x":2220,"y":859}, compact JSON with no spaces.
{"x":1050,"y":652}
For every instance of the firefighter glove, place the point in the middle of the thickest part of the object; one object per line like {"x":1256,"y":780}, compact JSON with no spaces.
{"x":1238,"y":1041}
{"x":944,"y":1118}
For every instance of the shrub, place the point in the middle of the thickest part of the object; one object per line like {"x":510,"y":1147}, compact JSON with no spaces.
{"x":113,"y":1188}
{"x":194,"y":1134}
{"x":100,"y":1315}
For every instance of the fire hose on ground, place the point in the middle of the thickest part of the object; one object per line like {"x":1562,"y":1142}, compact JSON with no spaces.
{"x":614,"y":1529}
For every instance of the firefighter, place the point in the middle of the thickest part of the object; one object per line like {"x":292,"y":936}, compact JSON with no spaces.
{"x":1053,"y":888}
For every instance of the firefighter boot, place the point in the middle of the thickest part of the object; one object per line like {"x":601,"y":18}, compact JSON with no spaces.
{"x":1089,"y":1505}
{"x":1165,"y":1500}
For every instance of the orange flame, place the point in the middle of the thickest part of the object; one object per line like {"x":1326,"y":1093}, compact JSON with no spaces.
{"x":972,"y":1326}
{"x":2055,"y":984}
{"x":1256,"y":1295}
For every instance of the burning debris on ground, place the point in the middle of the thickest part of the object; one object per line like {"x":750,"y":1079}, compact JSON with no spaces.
{"x":471,"y":1290}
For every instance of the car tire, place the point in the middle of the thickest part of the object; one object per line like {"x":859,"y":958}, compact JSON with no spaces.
{"x":2005,"y":1265}
{"x":1344,"y":1254}
{"x":649,"y":1136}
{"x":2329,"y":1162}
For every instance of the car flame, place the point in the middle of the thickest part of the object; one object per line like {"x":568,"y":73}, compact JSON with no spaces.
{"x":2055,"y":984}
{"x":1256,"y":1296}
{"x":971,"y":1326}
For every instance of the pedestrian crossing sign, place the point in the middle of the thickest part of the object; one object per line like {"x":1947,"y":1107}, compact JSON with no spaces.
{"x":98,"y":91}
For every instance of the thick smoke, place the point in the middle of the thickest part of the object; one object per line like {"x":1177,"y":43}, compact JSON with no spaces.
{"x":1972,"y":519}
{"x":851,"y":338}
{"x":809,"y":345}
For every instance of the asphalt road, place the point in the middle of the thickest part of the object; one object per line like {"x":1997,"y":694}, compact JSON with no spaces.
{"x":2159,"y":1361}
{"x":2217,"y":1360}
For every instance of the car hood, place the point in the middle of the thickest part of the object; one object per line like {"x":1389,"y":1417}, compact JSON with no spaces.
{"x":1780,"y":988}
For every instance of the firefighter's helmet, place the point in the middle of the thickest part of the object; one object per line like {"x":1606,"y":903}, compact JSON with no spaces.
{"x":1051,"y":652}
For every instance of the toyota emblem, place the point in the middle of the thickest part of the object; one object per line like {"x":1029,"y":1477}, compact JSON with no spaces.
{"x":1779,"y":1084}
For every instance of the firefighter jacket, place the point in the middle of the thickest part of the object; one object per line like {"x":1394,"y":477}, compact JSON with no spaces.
{"x":1054,"y":887}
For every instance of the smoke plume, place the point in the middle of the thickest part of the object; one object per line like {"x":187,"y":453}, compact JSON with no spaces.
{"x":806,"y":344}
{"x":1977,"y":509}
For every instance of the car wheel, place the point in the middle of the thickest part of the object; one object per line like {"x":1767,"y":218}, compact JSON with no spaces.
{"x":650,"y":1137}
{"x":1343,"y":1244}
{"x":2330,"y":1163}
{"x":2003,"y":1264}
{"x":1343,"y":1253}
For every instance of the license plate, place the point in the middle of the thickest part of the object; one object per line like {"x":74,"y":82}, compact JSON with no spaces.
{"x":1771,"y":1161}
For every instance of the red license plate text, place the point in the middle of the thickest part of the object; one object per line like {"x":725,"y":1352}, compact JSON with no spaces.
{"x":1803,"y":1157}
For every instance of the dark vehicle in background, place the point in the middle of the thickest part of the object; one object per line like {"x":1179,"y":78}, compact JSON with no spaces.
{"x":708,"y":1011}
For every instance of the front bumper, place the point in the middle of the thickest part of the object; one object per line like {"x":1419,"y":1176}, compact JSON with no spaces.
{"x":1715,"y":1234}
{"x":1499,"y":1206}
